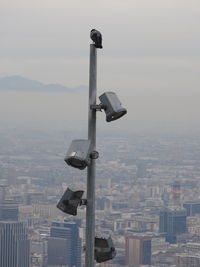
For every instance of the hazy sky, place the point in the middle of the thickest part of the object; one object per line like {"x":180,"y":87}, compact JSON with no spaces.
{"x":151,"y":54}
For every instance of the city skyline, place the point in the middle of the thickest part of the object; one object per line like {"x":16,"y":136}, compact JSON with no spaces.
{"x":137,"y":177}
{"x":140,"y":204}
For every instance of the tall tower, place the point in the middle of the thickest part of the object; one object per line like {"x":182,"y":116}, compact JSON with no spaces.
{"x":14,"y":245}
{"x":64,"y":244}
{"x":176,"y":193}
{"x":138,"y":251}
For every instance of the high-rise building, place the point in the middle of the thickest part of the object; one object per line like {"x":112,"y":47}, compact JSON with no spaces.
{"x":138,"y":251}
{"x":64,"y":244}
{"x":172,"y":223}
{"x":9,"y":212}
{"x":192,"y":207}
{"x":14,"y":245}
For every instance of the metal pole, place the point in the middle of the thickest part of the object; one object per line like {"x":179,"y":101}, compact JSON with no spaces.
{"x":90,"y":210}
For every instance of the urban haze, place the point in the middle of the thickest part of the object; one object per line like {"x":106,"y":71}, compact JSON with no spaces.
{"x":148,"y":170}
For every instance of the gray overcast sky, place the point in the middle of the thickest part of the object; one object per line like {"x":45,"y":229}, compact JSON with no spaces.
{"x":151,"y":49}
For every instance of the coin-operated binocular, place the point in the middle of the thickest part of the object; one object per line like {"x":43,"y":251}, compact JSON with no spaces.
{"x":78,"y":154}
{"x":104,"y":249}
{"x":70,"y":201}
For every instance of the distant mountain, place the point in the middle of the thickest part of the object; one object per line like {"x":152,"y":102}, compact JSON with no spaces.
{"x":18,"y":83}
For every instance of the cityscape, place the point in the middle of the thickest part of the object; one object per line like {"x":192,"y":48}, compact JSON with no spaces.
{"x":147,"y":199}
{"x":78,"y":187}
